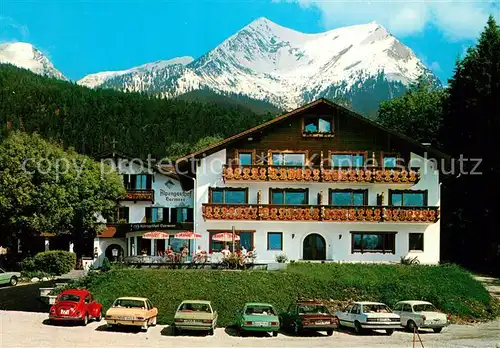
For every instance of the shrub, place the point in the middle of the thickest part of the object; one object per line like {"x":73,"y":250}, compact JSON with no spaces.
{"x":409,"y":260}
{"x":106,"y":265}
{"x":281,"y":258}
{"x":450,"y":288}
{"x":55,"y":262}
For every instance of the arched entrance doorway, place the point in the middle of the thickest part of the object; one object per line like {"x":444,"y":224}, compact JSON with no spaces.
{"x":314,"y":247}
{"x":109,"y":252}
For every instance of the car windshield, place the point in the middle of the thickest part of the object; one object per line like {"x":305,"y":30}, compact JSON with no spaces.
{"x":129,"y":303}
{"x":195,"y":307}
{"x":313,"y":309}
{"x":69,"y":297}
{"x":259,"y":310}
{"x":376,"y":308}
{"x":425,"y":307}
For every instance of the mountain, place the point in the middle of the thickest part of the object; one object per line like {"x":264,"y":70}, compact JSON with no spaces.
{"x":139,"y":79}
{"x":25,"y":55}
{"x":363,"y":64}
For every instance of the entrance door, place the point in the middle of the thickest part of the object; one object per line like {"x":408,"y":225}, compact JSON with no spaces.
{"x":314,"y":247}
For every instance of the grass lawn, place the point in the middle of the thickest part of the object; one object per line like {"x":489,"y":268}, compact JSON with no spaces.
{"x":450,"y":288}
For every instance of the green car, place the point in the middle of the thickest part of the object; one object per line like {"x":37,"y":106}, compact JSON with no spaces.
{"x":195,"y":315}
{"x":258,"y":317}
{"x":10,"y":278}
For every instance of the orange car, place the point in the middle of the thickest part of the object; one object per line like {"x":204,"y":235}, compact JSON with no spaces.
{"x":132,"y":311}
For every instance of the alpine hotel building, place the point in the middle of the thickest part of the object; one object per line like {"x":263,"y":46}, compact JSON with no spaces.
{"x":318,"y":183}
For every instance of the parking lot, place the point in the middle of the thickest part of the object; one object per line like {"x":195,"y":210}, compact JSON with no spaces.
{"x":22,"y":329}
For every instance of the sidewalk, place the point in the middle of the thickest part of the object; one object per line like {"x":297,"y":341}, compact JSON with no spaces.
{"x":491,"y":284}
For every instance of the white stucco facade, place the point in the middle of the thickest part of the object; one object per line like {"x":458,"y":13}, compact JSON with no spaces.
{"x":337,"y":235}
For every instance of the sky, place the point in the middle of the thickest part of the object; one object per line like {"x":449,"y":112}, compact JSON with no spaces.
{"x":83,"y":37}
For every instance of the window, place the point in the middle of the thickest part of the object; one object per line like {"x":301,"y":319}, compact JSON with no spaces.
{"x":156,"y":214}
{"x":123,"y":214}
{"x":229,"y":195}
{"x":318,"y":125}
{"x":141,"y":182}
{"x":288,"y":159}
{"x":373,"y":242}
{"x":355,"y":309}
{"x":389,"y":160}
{"x":406,"y":307}
{"x":246,"y":240}
{"x":289,"y":196}
{"x":245,"y":157}
{"x":274,"y":241}
{"x":409,"y":198}
{"x":348,"y":197}
{"x":416,"y":242}
{"x":347,"y":160}
{"x":182,"y":214}
{"x":138,"y":182}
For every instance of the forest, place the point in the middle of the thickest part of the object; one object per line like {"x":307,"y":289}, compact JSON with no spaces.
{"x":91,"y":121}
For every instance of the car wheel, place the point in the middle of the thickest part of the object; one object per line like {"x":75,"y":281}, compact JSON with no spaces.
{"x":153,"y":322}
{"x":296,"y":329}
{"x":99,"y":317}
{"x":411,"y":326}
{"x":329,"y":332}
{"x":275,"y":333}
{"x":357,"y":328}
{"x":175,"y":331}
{"x":13,"y":281}
{"x":144,"y":327}
{"x":437,"y":329}
{"x":389,"y":331}
{"x":211,"y":332}
{"x":85,"y":320}
{"x":111,"y":327}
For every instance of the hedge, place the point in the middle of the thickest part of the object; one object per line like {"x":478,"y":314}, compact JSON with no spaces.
{"x":54,"y":262}
{"x":450,"y":288}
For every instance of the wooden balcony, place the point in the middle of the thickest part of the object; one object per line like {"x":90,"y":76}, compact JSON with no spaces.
{"x":320,"y":174}
{"x":327,"y":213}
{"x":139,"y":195}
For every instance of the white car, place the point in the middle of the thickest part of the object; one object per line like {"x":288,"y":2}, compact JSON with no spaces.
{"x":369,"y":316}
{"x":420,"y":314}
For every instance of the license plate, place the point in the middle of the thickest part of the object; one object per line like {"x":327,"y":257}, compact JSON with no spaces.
{"x":64,"y":311}
{"x":190,"y":321}
{"x":261,"y":323}
{"x":128,"y":318}
{"x":385,"y":319}
{"x":322,"y":323}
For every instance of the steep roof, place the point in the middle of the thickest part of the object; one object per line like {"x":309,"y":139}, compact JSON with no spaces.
{"x":222,"y":144}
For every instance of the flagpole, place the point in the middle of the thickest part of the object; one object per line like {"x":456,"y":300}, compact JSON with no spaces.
{"x":233,"y":240}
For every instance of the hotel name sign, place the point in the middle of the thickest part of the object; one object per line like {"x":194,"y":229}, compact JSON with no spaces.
{"x":155,"y":226}
{"x":177,"y":196}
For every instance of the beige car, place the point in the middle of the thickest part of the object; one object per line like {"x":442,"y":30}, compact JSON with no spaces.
{"x":195,"y":315}
{"x":132,"y":311}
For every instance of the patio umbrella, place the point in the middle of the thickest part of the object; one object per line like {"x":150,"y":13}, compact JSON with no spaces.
{"x":188,"y":235}
{"x":225,"y":237}
{"x":156,"y":235}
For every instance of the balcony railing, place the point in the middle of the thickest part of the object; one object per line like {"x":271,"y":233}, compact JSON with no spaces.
{"x":320,"y":174}
{"x":139,"y":195}
{"x":329,"y":213}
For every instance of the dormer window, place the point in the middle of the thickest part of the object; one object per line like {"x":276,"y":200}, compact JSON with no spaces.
{"x":318,"y":126}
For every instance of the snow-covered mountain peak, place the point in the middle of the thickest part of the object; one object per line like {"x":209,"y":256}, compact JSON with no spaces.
{"x":97,"y":79}
{"x":25,"y":55}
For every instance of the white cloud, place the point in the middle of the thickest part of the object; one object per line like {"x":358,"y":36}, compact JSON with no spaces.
{"x":456,"y":19}
{"x":435,"y":67}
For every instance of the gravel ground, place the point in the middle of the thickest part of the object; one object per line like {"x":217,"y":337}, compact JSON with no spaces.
{"x":21,"y":329}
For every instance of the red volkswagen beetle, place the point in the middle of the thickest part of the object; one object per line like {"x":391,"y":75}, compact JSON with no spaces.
{"x":75,"y":305}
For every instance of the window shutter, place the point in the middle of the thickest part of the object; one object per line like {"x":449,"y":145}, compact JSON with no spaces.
{"x":149,"y":181}
{"x":190,"y":213}
{"x":166,"y":217}
{"x":126,"y":180}
{"x":173,"y":218}
{"x":126,"y":213}
{"x":132,"y":181}
{"x":149,"y":214}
